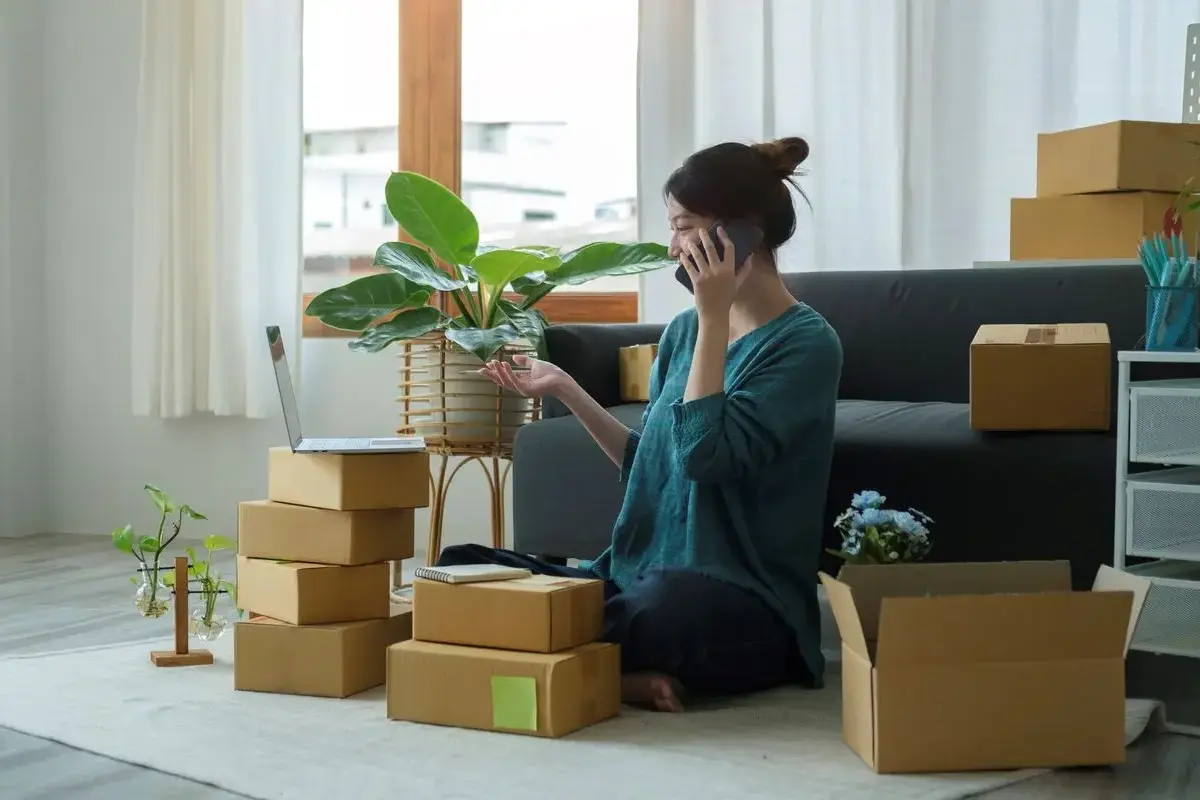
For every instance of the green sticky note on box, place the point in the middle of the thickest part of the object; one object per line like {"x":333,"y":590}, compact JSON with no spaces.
{"x":514,"y":703}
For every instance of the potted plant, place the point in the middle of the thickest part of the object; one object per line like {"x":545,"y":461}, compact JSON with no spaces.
{"x":872,"y":534}
{"x":152,"y":598}
{"x":394,"y":306}
{"x":205,"y":623}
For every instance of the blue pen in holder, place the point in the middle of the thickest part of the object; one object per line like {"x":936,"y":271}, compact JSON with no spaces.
{"x":1171,"y":318}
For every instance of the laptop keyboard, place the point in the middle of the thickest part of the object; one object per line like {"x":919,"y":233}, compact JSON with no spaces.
{"x":352,"y":444}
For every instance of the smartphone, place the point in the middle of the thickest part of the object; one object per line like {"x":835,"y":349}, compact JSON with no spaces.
{"x":745,"y":237}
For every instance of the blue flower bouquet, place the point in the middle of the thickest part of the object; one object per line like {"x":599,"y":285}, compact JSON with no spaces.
{"x":872,"y":534}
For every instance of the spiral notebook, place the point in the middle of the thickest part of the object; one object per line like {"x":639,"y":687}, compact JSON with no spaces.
{"x":471,"y":573}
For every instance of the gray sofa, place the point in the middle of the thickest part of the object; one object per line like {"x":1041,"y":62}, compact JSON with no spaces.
{"x":902,"y":423}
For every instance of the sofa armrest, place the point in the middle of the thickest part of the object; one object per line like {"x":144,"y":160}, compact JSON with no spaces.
{"x":588,"y":353}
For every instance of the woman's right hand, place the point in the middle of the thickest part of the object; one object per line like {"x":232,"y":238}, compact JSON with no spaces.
{"x":532,"y":377}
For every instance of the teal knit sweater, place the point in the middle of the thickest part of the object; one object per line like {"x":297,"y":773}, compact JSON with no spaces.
{"x":733,"y":485}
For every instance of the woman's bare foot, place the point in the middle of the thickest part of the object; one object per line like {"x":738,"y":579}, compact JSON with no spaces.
{"x":652,"y":689}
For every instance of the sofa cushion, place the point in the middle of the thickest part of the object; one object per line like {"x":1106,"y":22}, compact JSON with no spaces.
{"x":1027,"y":495}
{"x":993,"y":496}
{"x":566,"y":492}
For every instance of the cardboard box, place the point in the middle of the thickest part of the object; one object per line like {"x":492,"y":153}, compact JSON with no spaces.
{"x":954,"y":667}
{"x":540,"y":614}
{"x":287,"y":532}
{"x":635,"y":364}
{"x":1041,"y":378}
{"x":1118,"y":156}
{"x":348,"y":482}
{"x":536,"y":694}
{"x":336,"y":660}
{"x":1088,"y":226}
{"x":313,"y":594}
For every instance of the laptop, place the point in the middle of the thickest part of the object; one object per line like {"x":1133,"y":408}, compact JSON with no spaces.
{"x":291,"y":416}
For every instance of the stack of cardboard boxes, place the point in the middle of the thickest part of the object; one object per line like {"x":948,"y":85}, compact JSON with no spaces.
{"x":518,"y":656}
{"x":314,"y":573}
{"x":1100,"y":189}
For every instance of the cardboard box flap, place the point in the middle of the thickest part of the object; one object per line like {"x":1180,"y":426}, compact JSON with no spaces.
{"x":1114,"y":580}
{"x":1055,"y":626}
{"x":841,"y":602}
{"x":872,"y":583}
{"x":1059,"y":333}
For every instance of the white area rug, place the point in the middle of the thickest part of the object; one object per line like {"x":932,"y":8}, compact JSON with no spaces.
{"x":190,"y":722}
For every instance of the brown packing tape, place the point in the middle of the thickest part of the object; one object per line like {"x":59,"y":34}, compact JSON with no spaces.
{"x":546,"y":580}
{"x":1041,"y":334}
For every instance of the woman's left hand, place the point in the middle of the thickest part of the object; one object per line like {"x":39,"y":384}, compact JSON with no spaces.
{"x":714,"y":280}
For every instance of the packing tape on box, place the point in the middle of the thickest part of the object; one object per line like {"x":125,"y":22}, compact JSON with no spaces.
{"x":1042,"y":334}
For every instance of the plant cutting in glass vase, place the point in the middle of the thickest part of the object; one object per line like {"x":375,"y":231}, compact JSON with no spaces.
{"x":152,"y":598}
{"x":205,"y":623}
{"x":393,"y":306}
{"x":872,"y":534}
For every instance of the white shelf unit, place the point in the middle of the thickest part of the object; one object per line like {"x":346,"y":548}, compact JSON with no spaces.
{"x":1158,"y":510}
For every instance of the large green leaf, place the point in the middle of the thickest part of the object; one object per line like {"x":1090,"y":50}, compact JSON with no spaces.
{"x":608,"y":259}
{"x":416,"y":265}
{"x":433,"y":215}
{"x":484,"y":342}
{"x":357,"y":304}
{"x":529,"y":321}
{"x":498,"y":268}
{"x":410,"y":324}
{"x":528,"y":284}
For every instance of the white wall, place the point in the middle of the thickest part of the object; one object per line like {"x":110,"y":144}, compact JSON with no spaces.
{"x":97,"y":454}
{"x":23,"y":435}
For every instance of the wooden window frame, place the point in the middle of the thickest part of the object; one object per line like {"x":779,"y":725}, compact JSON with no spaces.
{"x":430,"y":142}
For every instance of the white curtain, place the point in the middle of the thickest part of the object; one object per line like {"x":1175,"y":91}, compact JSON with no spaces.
{"x":922,"y":115}
{"x":217,"y":246}
{"x":23,"y":420}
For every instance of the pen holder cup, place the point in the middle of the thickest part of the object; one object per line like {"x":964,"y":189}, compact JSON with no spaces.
{"x":1171,"y":318}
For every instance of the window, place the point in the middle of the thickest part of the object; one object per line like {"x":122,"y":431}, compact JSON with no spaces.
{"x":351,"y":115}
{"x":527,"y":108}
{"x":559,"y":77}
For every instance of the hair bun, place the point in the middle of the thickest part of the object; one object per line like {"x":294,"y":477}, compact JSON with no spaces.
{"x":785,"y":155}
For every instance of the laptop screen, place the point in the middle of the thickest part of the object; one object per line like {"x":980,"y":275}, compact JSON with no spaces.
{"x":287,"y":395}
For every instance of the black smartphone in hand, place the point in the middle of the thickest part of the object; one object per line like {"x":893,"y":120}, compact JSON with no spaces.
{"x":745,"y":237}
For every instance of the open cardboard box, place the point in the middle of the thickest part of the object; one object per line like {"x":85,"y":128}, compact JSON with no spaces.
{"x":955,"y":667}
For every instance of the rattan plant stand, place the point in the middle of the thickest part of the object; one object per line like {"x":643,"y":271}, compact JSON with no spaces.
{"x":461,"y":414}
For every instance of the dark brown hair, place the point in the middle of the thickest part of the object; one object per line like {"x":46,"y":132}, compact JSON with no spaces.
{"x":738,"y":181}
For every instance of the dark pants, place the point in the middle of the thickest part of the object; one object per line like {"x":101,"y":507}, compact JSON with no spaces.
{"x":711,"y":636}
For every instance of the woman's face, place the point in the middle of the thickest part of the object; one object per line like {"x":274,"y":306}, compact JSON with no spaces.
{"x":684,"y":225}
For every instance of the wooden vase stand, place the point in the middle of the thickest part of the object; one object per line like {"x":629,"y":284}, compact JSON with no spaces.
{"x":181,"y":656}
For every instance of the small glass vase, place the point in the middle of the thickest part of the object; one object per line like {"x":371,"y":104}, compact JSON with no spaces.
{"x":210,"y":629}
{"x":152,"y":598}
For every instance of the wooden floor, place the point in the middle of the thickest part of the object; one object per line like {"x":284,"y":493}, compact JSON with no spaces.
{"x":63,"y":592}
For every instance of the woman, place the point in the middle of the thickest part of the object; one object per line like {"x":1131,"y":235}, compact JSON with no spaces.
{"x":711,"y":574}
